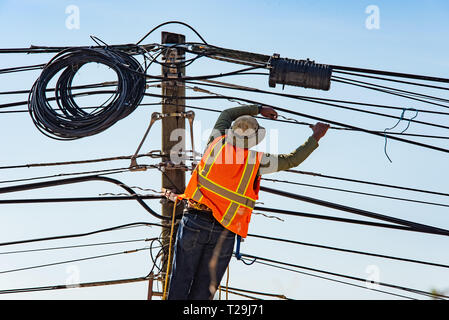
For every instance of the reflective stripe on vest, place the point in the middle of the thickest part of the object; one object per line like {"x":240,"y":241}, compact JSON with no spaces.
{"x":225,"y":193}
{"x":241,"y":189}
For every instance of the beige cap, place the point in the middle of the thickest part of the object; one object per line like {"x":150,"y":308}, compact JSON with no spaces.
{"x":245,"y":132}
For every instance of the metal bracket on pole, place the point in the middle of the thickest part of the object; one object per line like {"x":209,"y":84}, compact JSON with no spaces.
{"x":190,"y":115}
{"x":134,"y":166}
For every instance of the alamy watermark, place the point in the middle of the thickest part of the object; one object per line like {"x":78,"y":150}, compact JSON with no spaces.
{"x":373,"y":278}
{"x":72,"y":21}
{"x":73,"y":278}
{"x":372,"y":22}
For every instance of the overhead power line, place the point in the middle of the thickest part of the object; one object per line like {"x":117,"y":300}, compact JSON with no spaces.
{"x":60,"y":182}
{"x":368,"y":182}
{"x":218,"y":111}
{"x":356,"y":192}
{"x":391,"y":80}
{"x":331,"y":279}
{"x":369,"y":214}
{"x":73,"y":260}
{"x":78,"y":285}
{"x":390,"y":73}
{"x":350,"y":251}
{"x":399,"y":92}
{"x":338,"y":219}
{"x":77,"y":235}
{"x":383,"y":135}
{"x":151,"y":154}
{"x":75,"y":246}
{"x":392,"y":92}
{"x":325,"y":101}
{"x":393,"y":286}
{"x":256,"y":208}
{"x":77,"y":199}
{"x":58,"y":175}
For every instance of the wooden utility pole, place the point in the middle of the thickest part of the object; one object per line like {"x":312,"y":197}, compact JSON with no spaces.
{"x":173,"y":92}
{"x":150,"y":286}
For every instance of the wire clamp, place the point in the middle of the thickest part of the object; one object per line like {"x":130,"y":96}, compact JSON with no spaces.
{"x":170,"y":165}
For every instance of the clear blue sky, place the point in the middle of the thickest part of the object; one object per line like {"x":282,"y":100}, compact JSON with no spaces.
{"x":410,"y":39}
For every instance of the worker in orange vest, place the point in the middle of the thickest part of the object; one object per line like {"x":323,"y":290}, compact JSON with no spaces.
{"x":220,"y":197}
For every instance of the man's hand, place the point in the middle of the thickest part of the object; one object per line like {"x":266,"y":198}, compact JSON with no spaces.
{"x":319,"y":130}
{"x":268,"y":112}
{"x":170,"y":194}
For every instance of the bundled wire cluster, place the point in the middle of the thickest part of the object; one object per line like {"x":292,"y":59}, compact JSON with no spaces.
{"x":70,"y":121}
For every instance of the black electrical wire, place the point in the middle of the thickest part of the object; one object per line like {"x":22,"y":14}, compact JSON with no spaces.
{"x":171,"y":22}
{"x":273,"y":295}
{"x":318,"y":100}
{"x":383,"y":135}
{"x":367,"y":182}
{"x":60,"y":182}
{"x":24,"y":68}
{"x":357,"y":192}
{"x":74,"y":246}
{"x":406,"y":92}
{"x":248,"y":56}
{"x":84,"y":234}
{"x":391,"y":91}
{"x":338,"y":219}
{"x":77,"y":199}
{"x":129,"y":48}
{"x":416,"y":291}
{"x":60,"y":163}
{"x":72,"y":122}
{"x":230,"y":55}
{"x":322,"y":101}
{"x":286,"y":121}
{"x":331,"y":279}
{"x":259,"y":208}
{"x":218,"y":111}
{"x":389,"y":73}
{"x":80,"y":285}
{"x":308,"y":124}
{"x":11,"y":201}
{"x":78,"y":87}
{"x":103,"y":172}
{"x":203,"y":77}
{"x":369,"y":214}
{"x":73,"y":260}
{"x":154,"y":259}
{"x":392,"y":80}
{"x":330,"y":102}
{"x":350,"y":251}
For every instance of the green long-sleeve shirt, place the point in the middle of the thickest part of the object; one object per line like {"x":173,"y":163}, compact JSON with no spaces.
{"x":270,"y":162}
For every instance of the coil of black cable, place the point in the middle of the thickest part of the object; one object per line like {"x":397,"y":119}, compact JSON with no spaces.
{"x":68,"y":120}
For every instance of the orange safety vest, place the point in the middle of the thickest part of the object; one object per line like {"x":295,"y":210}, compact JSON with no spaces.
{"x":226,"y":181}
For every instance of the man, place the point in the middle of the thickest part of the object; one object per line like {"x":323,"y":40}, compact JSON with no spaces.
{"x":220,"y":196}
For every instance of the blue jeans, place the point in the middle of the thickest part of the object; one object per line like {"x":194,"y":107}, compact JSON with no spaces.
{"x":203,"y":249}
